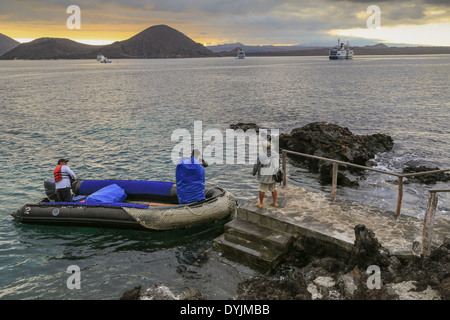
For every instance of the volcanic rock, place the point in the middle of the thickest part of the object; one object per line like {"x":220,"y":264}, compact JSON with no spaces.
{"x":431,"y":178}
{"x":132,"y":294}
{"x":288,"y":285}
{"x":328,"y":276}
{"x":160,"y":292}
{"x":332,"y":141}
{"x":367,"y":250}
{"x":245,"y":126}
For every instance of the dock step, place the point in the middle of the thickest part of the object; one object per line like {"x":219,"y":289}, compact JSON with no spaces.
{"x":259,"y":234}
{"x":259,"y":247}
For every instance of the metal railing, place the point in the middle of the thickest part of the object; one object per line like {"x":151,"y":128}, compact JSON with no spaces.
{"x":429,"y":220}
{"x":336,"y":164}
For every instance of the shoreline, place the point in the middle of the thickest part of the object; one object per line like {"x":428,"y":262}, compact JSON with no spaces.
{"x":318,"y":273}
{"x":256,"y":55}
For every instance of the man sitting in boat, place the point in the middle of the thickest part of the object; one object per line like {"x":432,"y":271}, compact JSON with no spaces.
{"x":63,"y":176}
{"x":190,"y":177}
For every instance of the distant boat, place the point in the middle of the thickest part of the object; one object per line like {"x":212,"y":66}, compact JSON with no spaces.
{"x":102,"y":59}
{"x":341,"y":51}
{"x":240,"y":54}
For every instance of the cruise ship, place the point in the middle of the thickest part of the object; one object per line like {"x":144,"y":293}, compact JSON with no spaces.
{"x":341,"y":51}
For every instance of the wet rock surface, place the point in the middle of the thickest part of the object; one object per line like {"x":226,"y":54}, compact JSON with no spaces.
{"x":337,"y":277}
{"x":431,"y":178}
{"x":332,"y":141}
{"x":312,"y":272}
{"x":160,"y":292}
{"x":245,"y":126}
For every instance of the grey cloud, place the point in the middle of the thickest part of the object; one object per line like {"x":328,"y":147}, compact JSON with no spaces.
{"x":219,"y":7}
{"x":404,"y":14}
{"x":276,"y":21}
{"x":394,"y":12}
{"x":375,"y":2}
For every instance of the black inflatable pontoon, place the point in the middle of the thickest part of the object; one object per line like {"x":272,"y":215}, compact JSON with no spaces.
{"x":149,"y":205}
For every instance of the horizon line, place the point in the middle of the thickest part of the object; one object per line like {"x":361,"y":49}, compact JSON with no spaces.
{"x":108,"y":42}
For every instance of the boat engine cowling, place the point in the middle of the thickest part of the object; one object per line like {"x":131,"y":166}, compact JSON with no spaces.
{"x":50,"y":189}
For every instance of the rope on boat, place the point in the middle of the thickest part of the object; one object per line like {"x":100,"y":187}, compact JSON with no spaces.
{"x":193,"y":212}
{"x":185,"y":216}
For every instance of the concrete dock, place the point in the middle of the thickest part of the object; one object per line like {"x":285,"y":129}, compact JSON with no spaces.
{"x":260,"y":236}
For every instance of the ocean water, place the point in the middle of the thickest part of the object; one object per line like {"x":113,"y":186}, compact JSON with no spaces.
{"x":116,"y":121}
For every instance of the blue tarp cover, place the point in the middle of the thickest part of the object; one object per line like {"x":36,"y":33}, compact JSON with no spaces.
{"x":131,"y":187}
{"x":109,"y":194}
{"x":190,"y":175}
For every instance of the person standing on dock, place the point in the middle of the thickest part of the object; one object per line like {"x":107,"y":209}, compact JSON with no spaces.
{"x":63,"y":182}
{"x":266,"y":166}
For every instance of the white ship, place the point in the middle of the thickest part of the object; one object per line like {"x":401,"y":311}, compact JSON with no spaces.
{"x":102,"y":59}
{"x":341,"y":51}
{"x":240,"y":54}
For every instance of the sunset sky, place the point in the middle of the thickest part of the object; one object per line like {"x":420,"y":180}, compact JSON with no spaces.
{"x":251,"y":22}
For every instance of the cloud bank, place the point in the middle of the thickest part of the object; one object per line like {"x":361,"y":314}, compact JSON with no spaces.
{"x":219,"y":21}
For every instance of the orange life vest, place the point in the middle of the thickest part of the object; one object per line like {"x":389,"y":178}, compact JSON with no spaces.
{"x":57,"y":173}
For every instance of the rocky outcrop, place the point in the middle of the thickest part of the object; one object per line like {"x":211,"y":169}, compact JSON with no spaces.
{"x":313,"y":272}
{"x":132,"y":294}
{"x":290,"y":285}
{"x":160,"y":292}
{"x":331,"y":141}
{"x":245,"y":126}
{"x":337,"y":277}
{"x":367,"y":250}
{"x":431,"y":178}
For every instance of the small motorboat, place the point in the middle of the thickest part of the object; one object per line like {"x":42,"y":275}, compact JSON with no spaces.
{"x":145,"y":205}
{"x":102,"y":59}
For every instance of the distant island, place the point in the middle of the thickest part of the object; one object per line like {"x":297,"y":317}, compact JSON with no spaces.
{"x":159,"y":41}
{"x":6,"y":44}
{"x":162,"y":41}
{"x":269,"y":50}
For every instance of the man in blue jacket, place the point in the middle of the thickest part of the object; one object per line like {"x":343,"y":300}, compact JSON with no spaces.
{"x":190,"y":177}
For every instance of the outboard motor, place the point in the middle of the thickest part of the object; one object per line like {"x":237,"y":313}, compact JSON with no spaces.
{"x":50,"y":189}
{"x":76,"y":185}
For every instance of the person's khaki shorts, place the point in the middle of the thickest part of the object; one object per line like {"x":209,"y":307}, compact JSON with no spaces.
{"x":264,"y":187}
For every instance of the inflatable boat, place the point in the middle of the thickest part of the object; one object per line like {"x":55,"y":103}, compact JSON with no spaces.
{"x":144,"y":205}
